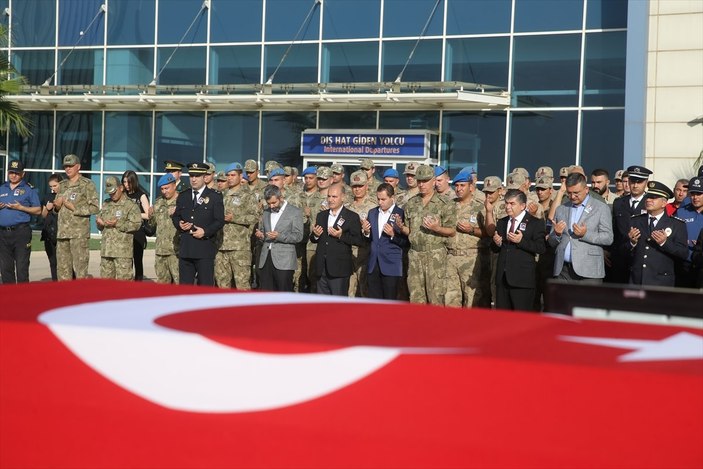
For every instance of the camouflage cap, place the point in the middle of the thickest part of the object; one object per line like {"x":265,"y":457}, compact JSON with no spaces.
{"x":410,"y":169}
{"x":523,"y":172}
{"x":71,"y":160}
{"x":221,"y":176}
{"x":544,"y":171}
{"x":515,"y":180}
{"x":564,"y":172}
{"x":324,"y":172}
{"x":574,"y":168}
{"x":251,"y":165}
{"x":337,"y":168}
{"x":618,"y":174}
{"x":367,"y":163}
{"x":272,"y":164}
{"x":424,"y":173}
{"x":212,"y":168}
{"x":492,"y":184}
{"x":288,"y":170}
{"x":111,"y":183}
{"x":358,"y":178}
{"x":544,"y":182}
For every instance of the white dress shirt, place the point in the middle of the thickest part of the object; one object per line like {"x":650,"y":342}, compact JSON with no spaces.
{"x":275,"y":216}
{"x":383,"y":218}
{"x":332,"y":217}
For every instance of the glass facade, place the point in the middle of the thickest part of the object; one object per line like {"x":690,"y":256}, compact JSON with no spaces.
{"x":562,"y":61}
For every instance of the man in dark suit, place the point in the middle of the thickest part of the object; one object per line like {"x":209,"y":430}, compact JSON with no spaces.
{"x":623,"y":209}
{"x":385,"y":263}
{"x":280,"y":229}
{"x":518,"y":238}
{"x":199,"y":215}
{"x":656,"y":242}
{"x":335,"y":231}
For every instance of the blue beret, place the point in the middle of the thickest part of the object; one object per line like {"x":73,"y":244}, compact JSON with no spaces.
{"x":391,"y":173}
{"x":310,"y":170}
{"x":234,"y":167}
{"x":438,"y":171}
{"x":463,"y":176}
{"x":245,"y":176}
{"x":166,"y":179}
{"x":276,"y":172}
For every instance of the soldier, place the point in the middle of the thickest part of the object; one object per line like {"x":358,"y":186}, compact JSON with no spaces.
{"x":547,"y":174}
{"x":655,"y":241}
{"x":234,"y":257}
{"x":369,"y":167}
{"x":392,"y":177}
{"x":324,"y":181}
{"x":251,"y":167}
{"x":277,"y":177}
{"x":210,"y":176}
{"x":338,"y":178}
{"x":221,"y":182}
{"x":468,"y":260}
{"x":361,"y":204}
{"x":625,"y":184}
{"x":292,"y":185}
{"x":519,"y":181}
{"x":619,"y":187}
{"x":431,"y":219}
{"x":167,"y":239}
{"x":176,"y":168}
{"x":545,"y":261}
{"x":308,"y":201}
{"x":495,"y":210}
{"x":442,"y":183}
{"x":270,"y":165}
{"x":18,"y":202}
{"x":600,"y":183}
{"x":118,"y":219}
{"x":76,"y":201}
{"x":410,"y":181}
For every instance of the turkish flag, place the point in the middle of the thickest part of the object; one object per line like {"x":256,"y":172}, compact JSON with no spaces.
{"x":99,"y":373}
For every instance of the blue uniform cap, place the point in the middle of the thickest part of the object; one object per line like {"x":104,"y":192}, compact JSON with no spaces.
{"x":276,"y":172}
{"x":438,"y":171}
{"x":463,"y":176}
{"x":391,"y":173}
{"x":310,"y":170}
{"x":245,"y":176}
{"x":167,"y":178}
{"x":234,"y":167}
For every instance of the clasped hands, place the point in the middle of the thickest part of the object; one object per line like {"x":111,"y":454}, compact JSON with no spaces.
{"x":332,"y":231}
{"x":578,"y":230}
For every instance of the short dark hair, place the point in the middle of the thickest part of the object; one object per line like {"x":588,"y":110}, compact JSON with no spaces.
{"x":58,"y":178}
{"x":575,"y":179}
{"x":516,"y":194}
{"x":601,"y":172}
{"x":272,"y":191}
{"x":384,"y":186}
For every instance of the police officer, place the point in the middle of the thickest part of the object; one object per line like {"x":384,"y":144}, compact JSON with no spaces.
{"x":118,"y":219}
{"x":167,"y":238}
{"x":199,"y":215}
{"x":692,"y":214}
{"x":176,"y":169}
{"x":18,"y":202}
{"x":76,"y":201}
{"x":656,"y":242}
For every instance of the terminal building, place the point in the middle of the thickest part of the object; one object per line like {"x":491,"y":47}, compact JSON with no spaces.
{"x":491,"y":84}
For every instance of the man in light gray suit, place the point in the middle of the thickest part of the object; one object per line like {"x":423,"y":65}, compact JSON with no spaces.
{"x":581,"y":229}
{"x":280,"y":228}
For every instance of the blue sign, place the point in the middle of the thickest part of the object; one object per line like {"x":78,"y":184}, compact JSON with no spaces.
{"x":369,"y":144}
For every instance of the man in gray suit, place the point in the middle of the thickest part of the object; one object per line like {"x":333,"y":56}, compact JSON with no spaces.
{"x":581,"y":229}
{"x":280,"y":228}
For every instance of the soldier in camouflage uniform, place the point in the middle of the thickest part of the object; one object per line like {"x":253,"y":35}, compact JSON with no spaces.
{"x":430,"y":222}
{"x":176,"y":168}
{"x":495,"y":210}
{"x":441,"y":184}
{"x":392,"y":177}
{"x":269,"y":166}
{"x":251,"y":167}
{"x":410,"y":181}
{"x":307,"y":200}
{"x":360,"y":254}
{"x":234,"y":257}
{"x":221,"y":180}
{"x":316,"y":203}
{"x":292,"y":185}
{"x":469,"y":261}
{"x":118,"y":219}
{"x":369,"y":168}
{"x":76,"y":201}
{"x":519,"y":181}
{"x":167,"y":238}
{"x":338,"y":178}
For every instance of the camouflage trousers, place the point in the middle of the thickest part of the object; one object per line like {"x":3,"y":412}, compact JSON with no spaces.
{"x":466,"y":271}
{"x":312,"y":271}
{"x":427,"y":271}
{"x":166,"y":268}
{"x":357,"y":282}
{"x":72,"y":255}
{"x":119,"y":268}
{"x":233,"y":265}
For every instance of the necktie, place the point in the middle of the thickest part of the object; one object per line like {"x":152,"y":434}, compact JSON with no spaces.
{"x":652,"y":220}
{"x":634,"y":204}
{"x":195,"y":198}
{"x":512,"y":226}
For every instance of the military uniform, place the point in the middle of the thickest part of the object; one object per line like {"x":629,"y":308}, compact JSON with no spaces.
{"x":428,"y":250}
{"x":234,"y":256}
{"x":360,"y":254}
{"x":468,"y":260}
{"x":72,"y":250}
{"x":117,"y":241}
{"x":498,"y":213}
{"x":167,"y":241}
{"x":304,"y":200}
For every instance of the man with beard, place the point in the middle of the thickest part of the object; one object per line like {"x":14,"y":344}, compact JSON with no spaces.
{"x":600,"y":183}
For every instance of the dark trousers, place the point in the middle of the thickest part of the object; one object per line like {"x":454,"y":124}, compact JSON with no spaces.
{"x":567,"y":273}
{"x":382,"y":286}
{"x":15,"y":248}
{"x":138,"y":260}
{"x":328,"y":285}
{"x":273,"y":279}
{"x":189,"y":268}
{"x":508,"y":297}
{"x":50,"y":249}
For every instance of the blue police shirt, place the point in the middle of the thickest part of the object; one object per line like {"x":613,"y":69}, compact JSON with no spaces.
{"x":25,"y":195}
{"x":694,"y":223}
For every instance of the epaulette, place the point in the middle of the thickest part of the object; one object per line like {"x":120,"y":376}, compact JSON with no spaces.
{"x":638,"y":215}
{"x":678,"y":219}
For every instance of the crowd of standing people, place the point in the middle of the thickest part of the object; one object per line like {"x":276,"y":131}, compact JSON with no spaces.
{"x":438,"y":241}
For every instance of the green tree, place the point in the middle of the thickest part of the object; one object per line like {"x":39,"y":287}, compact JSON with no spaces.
{"x":11,"y":117}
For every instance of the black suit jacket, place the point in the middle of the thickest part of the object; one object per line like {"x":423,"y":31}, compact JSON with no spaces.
{"x":651,"y":264}
{"x":622,"y":212}
{"x":335,"y":254}
{"x":518,"y":261}
{"x":209,"y":215}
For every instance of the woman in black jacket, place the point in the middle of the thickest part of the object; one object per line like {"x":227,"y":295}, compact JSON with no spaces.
{"x":130,"y":181}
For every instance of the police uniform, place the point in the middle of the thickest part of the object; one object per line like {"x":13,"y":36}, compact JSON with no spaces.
{"x":206,"y":211}
{"x":116,"y":245}
{"x":73,"y":234}
{"x":15,"y":231}
{"x":358,"y":285}
{"x":172,"y":166}
{"x":167,"y":238}
{"x":650,"y":262}
{"x":693,"y":217}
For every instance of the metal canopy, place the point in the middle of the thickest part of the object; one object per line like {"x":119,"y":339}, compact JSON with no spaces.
{"x":277,"y":97}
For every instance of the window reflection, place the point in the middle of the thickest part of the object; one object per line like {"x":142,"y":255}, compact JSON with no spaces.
{"x":179,"y":136}
{"x":82,"y":67}
{"x":478,"y":16}
{"x":426,"y":63}
{"x":350,"y":62}
{"x":428,"y":120}
{"x":175,"y":18}
{"x":542,"y":139}
{"x":75,"y":17}
{"x":232,"y":136}
{"x":236,"y":21}
{"x":35,"y":151}
{"x":479,"y":60}
{"x":34,"y":23}
{"x":285,"y":17}
{"x":79,"y":133}
{"x":604,"y":14}
{"x":474,"y":139}
{"x":299,"y":67}
{"x":131,"y":22}
{"x":345,"y":19}
{"x":130,"y":66}
{"x":187,"y":66}
{"x":604,"y":69}
{"x":128,"y":141}
{"x":408,"y":17}
{"x":548,"y":15}
{"x":280,"y":136}
{"x":235,"y":65}
{"x":602,"y":140}
{"x":35,"y":65}
{"x":347,"y":120}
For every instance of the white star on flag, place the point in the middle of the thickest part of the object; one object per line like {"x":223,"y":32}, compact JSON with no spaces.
{"x":681,"y":346}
